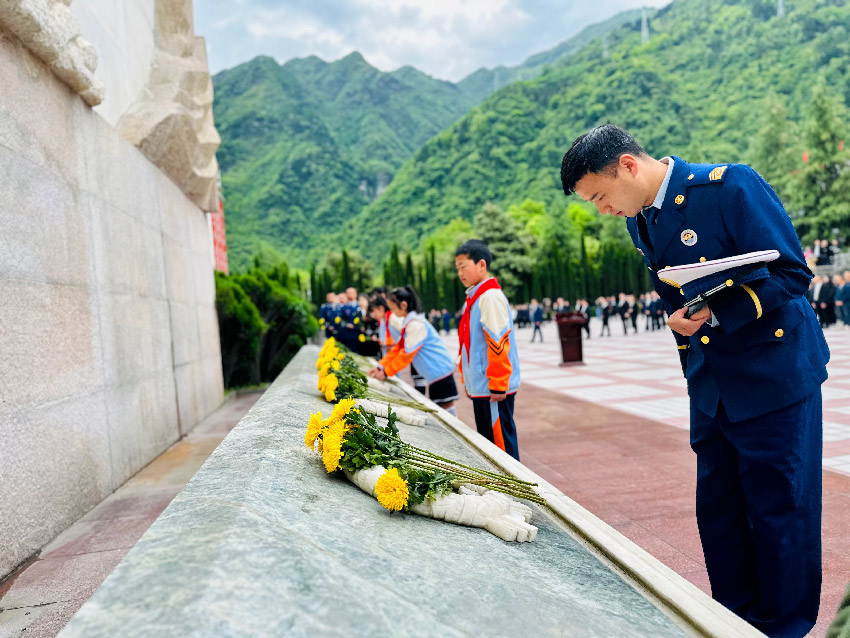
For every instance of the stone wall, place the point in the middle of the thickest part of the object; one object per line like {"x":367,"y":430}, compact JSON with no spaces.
{"x":108,"y":332}
{"x":124,"y":35}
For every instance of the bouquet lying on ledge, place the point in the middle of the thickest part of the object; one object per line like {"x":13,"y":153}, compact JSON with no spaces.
{"x":340,"y":377}
{"x":404,"y":477}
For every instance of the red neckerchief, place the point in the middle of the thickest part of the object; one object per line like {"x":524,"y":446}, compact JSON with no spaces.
{"x":387,"y":335}
{"x":463,"y":328}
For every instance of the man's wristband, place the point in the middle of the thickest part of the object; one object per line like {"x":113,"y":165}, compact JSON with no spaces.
{"x":497,"y":391}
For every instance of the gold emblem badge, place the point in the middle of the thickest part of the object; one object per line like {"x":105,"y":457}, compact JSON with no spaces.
{"x":679,"y":199}
{"x":717,"y":173}
{"x":691,"y":176}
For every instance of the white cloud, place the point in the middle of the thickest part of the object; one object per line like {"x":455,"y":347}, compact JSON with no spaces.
{"x":446,"y":38}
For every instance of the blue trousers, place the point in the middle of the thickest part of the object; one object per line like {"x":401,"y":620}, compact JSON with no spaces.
{"x":495,"y":422}
{"x":759,"y":513}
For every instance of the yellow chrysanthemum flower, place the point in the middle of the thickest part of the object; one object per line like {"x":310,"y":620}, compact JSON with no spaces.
{"x":340,"y":356}
{"x":329,"y":356}
{"x":332,"y":446}
{"x":314,"y":426}
{"x":331,"y":383}
{"x":328,"y":366}
{"x":329,"y":343}
{"x":342,"y":408}
{"x":391,"y":490}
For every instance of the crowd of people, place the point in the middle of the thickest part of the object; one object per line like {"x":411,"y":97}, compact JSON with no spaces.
{"x":822,"y":253}
{"x":830,"y":299}
{"x":393,"y":325}
{"x":633,"y":311}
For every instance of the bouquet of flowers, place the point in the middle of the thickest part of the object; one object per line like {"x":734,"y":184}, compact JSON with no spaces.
{"x":340,"y":377}
{"x":405,"y":477}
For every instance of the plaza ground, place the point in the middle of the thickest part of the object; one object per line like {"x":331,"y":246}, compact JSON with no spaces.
{"x":611,"y":434}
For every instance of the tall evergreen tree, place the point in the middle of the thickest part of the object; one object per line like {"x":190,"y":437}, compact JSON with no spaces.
{"x":822,"y":185}
{"x":776,"y":151}
{"x":409,"y":273}
{"x":510,"y":246}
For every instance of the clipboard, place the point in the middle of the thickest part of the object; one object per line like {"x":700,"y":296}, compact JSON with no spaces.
{"x":702,"y":280}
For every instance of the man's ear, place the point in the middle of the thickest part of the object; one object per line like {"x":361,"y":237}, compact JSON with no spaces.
{"x":629,"y":163}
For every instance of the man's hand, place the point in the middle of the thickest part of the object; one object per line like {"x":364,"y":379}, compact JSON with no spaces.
{"x":378,"y":373}
{"x":687,"y":327}
{"x":495,"y":398}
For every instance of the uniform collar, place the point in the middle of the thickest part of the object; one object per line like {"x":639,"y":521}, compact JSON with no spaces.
{"x":471,"y":290}
{"x":662,"y":191}
{"x":671,"y":215}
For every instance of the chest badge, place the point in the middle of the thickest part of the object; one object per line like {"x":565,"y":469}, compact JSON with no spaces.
{"x":689,"y":237}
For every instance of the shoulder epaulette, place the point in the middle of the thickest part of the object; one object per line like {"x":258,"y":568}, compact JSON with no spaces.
{"x":707,"y":174}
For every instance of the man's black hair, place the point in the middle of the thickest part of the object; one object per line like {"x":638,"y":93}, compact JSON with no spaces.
{"x":408,"y":294}
{"x":476,"y":250}
{"x":596,"y":151}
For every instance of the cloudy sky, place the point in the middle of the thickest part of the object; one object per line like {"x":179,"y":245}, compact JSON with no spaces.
{"x":445,"y":38}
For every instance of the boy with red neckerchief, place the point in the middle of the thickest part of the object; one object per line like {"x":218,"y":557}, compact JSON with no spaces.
{"x":489,"y":364}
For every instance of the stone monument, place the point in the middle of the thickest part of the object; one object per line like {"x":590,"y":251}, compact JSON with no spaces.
{"x":108,"y":328}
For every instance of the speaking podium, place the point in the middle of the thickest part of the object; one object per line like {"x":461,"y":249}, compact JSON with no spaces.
{"x":570,"y":325}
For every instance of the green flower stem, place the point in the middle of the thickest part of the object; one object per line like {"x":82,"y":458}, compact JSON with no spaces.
{"x":449,"y":467}
{"x":465,"y":478}
{"x":385,"y":398}
{"x":534,"y":498}
{"x":487,"y":483}
{"x":484,"y":481}
{"x":429,"y":464}
{"x":502,"y":477}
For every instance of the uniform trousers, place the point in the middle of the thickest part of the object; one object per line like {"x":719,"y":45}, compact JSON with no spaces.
{"x":495,"y":422}
{"x":759,"y":513}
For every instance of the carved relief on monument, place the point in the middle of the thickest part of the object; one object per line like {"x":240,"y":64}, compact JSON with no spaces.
{"x":172,"y":121}
{"x":47,"y":28}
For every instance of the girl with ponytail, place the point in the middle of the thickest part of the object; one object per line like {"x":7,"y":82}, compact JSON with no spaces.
{"x":419,"y":344}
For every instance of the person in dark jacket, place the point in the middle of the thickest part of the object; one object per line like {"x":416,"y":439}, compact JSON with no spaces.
{"x":535,"y":312}
{"x":754,"y":358}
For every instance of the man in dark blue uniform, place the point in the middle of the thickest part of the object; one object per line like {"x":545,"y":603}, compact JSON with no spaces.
{"x":327,"y":313}
{"x":350,"y":316}
{"x":754,"y":358}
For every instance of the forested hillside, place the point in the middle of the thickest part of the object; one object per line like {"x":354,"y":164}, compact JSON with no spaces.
{"x":715,"y":82}
{"x":308,"y":144}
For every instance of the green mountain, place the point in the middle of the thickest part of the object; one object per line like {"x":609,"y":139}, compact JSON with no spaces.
{"x":697,"y":88}
{"x":308,"y":144}
{"x":483,"y":82}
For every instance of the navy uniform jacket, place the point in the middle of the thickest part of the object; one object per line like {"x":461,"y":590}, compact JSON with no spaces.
{"x":768,"y":351}
{"x":350,"y":314}
{"x":326,"y":317}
